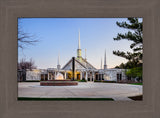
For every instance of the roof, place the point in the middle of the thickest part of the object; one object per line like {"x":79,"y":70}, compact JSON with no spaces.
{"x":84,"y":64}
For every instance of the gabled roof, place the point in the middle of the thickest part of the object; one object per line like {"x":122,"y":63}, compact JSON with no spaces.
{"x":87,"y":64}
{"x":68,"y":63}
{"x":78,"y":64}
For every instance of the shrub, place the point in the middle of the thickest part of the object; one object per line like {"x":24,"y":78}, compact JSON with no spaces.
{"x":135,"y":72}
{"x":83,"y":80}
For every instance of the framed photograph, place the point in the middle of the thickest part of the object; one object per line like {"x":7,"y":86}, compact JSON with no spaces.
{"x":58,"y":59}
{"x":48,"y":69}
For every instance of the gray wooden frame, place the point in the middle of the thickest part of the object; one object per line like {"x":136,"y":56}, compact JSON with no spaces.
{"x":11,"y":9}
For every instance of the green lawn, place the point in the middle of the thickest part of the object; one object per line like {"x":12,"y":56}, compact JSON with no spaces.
{"x":105,"y":81}
{"x":137,"y":83}
{"x":64,"y":99}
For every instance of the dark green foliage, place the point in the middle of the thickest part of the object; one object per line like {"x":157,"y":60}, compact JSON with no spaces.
{"x":135,"y":72}
{"x":135,"y":35}
{"x":136,"y":83}
{"x":129,"y":65}
{"x":83,"y":80}
{"x":134,"y":58}
{"x":32,"y":81}
{"x":105,"y":81}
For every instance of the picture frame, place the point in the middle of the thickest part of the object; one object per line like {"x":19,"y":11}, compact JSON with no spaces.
{"x":10,"y":107}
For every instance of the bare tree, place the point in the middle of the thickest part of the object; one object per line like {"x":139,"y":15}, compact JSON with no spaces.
{"x":24,"y":39}
{"x":23,"y":64}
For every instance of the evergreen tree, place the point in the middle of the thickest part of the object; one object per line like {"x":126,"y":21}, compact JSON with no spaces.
{"x":135,"y":35}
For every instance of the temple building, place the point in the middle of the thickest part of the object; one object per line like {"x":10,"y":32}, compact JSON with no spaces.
{"x":78,"y":68}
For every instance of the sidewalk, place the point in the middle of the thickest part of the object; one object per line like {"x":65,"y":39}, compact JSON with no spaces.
{"x":119,"y":92}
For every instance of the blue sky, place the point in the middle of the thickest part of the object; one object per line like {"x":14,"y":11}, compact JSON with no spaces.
{"x":60,"y":36}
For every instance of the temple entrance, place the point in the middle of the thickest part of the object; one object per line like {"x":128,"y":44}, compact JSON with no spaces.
{"x":44,"y":77}
{"x":78,"y":76}
{"x":69,"y":75}
{"x":119,"y":77}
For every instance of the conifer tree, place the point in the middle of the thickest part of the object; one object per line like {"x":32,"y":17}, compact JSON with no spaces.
{"x":135,"y":35}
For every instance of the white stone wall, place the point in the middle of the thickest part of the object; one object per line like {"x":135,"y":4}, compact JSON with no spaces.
{"x":33,"y":75}
{"x":111,"y":74}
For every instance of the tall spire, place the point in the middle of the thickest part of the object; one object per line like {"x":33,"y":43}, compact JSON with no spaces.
{"x":79,"y":55}
{"x":58,"y":64}
{"x":79,"y":43}
{"x":105,"y":65}
{"x":101,"y":63}
{"x":105,"y":58}
{"x":58,"y":60}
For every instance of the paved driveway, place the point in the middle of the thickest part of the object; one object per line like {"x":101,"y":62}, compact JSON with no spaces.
{"x":83,"y":90}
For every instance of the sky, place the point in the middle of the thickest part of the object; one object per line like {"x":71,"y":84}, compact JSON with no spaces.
{"x":59,"y":36}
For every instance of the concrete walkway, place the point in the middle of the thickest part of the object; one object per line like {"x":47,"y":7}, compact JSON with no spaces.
{"x":118,"y":92}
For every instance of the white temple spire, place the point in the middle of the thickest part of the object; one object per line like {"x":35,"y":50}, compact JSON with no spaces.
{"x":105,"y":65}
{"x":58,"y":60}
{"x":58,"y":63}
{"x":79,"y":55}
{"x":79,"y":43}
{"x":105,"y":58}
{"x":101,"y":63}
{"x":85,"y":55}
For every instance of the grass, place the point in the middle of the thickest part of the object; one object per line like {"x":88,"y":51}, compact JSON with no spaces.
{"x":64,"y":99}
{"x":105,"y":81}
{"x":136,"y":83}
{"x":32,"y":81}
